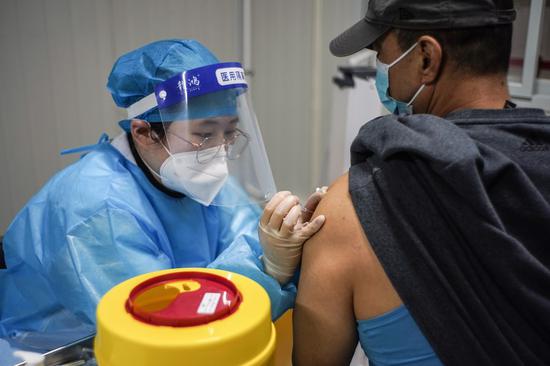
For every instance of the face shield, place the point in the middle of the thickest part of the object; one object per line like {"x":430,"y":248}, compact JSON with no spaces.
{"x":216,"y":152}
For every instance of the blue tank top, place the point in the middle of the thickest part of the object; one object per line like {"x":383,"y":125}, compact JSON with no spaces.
{"x":394,"y":338}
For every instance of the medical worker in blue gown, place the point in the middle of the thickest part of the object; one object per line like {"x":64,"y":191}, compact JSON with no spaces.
{"x":181,"y":187}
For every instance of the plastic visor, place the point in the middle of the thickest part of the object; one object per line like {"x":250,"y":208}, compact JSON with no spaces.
{"x":211,"y":131}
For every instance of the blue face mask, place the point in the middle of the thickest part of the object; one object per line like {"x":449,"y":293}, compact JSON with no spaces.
{"x":383,"y":84}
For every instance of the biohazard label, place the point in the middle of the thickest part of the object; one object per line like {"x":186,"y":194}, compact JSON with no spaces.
{"x":209,"y":303}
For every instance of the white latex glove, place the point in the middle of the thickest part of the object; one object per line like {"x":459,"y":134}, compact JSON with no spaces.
{"x":284,"y":228}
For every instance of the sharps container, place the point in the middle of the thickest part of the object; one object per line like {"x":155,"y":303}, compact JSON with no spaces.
{"x":185,"y":317}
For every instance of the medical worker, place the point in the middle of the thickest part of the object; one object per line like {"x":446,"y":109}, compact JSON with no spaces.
{"x":181,"y":187}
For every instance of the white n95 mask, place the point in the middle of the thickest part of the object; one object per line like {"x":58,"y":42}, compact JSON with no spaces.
{"x":182,"y":172}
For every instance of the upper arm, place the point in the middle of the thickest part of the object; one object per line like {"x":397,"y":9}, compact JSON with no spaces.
{"x":324,"y":320}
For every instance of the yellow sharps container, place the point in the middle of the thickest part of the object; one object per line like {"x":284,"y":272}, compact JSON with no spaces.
{"x":185,"y":317}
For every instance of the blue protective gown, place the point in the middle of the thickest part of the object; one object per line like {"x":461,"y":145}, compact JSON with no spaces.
{"x":100,"y":221}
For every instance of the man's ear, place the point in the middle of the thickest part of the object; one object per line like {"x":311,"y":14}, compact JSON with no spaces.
{"x":432,"y":59}
{"x":142,"y":133}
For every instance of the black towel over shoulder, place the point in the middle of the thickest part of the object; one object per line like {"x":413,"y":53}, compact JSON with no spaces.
{"x":458,"y":212}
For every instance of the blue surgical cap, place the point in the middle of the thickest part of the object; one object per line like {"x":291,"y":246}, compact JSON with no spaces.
{"x":135,"y":74}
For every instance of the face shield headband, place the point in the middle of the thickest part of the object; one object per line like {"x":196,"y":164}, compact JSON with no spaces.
{"x":191,"y":84}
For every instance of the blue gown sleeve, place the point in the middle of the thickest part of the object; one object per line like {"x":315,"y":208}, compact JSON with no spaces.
{"x":241,"y":252}
{"x":58,"y":273}
{"x":109,"y":247}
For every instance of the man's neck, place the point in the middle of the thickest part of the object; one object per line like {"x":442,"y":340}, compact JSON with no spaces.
{"x":488,"y":92}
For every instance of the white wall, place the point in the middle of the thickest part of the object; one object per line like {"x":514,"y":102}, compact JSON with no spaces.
{"x":292,"y":86}
{"x":56,"y":55}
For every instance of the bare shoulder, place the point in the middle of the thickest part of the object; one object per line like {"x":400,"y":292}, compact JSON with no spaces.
{"x":341,"y":280}
{"x":324,"y":303}
{"x":340,"y":253}
{"x":341,"y":241}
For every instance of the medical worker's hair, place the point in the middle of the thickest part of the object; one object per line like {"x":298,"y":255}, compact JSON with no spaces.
{"x":159,"y":130}
{"x":476,"y":51}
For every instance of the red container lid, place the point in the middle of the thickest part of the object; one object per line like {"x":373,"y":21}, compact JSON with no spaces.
{"x":183,"y":299}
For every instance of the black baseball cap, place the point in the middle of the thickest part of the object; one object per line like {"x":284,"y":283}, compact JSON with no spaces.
{"x":382,"y":15}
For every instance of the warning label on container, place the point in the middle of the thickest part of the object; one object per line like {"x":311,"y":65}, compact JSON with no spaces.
{"x":209,"y":303}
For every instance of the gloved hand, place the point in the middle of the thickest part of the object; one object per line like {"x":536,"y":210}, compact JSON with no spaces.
{"x":284,"y":228}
